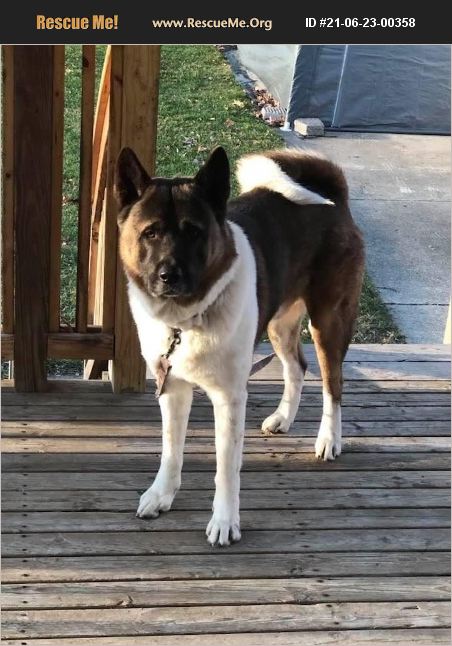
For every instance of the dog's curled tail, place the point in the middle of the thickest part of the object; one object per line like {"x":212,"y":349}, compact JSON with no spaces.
{"x":303,"y":177}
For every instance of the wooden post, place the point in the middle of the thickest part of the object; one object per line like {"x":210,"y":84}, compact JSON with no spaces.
{"x":57,"y":187}
{"x":101,"y":117}
{"x":94,"y":368}
{"x":84,"y":210}
{"x":108,"y":237}
{"x":33,"y":129}
{"x":98,"y":180}
{"x":8,"y":190}
{"x":133,"y":122}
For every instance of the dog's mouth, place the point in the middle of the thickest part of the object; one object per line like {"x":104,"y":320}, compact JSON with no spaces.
{"x":159,"y":290}
{"x":171,"y":293}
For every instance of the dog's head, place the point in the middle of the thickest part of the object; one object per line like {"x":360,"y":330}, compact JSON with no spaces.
{"x":173,"y":238}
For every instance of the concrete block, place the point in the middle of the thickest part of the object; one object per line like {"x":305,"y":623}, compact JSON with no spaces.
{"x":309,"y":127}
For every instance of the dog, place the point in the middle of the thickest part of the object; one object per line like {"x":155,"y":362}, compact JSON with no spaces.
{"x":206,"y":276}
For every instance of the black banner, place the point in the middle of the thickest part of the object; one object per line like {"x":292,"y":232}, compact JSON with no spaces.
{"x":141,"y":22}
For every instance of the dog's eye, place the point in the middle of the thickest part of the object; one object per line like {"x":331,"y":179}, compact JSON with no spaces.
{"x":151,"y":232}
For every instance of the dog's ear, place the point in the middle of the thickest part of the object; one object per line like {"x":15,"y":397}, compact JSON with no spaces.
{"x":214,"y":181}
{"x":131,"y":179}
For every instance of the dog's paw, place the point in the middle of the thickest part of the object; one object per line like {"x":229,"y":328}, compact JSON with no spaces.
{"x":153,"y":501}
{"x":222,"y":531}
{"x":327,"y":445}
{"x":275,"y":423}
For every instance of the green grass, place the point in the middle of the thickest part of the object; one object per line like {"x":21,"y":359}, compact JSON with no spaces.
{"x":375,"y":324}
{"x":200,"y":106}
{"x":71,"y":157}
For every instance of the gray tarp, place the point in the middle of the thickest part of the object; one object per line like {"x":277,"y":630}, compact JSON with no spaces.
{"x":387,"y":88}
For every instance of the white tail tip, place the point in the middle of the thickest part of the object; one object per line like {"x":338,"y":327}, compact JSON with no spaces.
{"x":258,"y":171}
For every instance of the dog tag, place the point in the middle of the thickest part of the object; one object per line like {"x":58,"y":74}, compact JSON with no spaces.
{"x":161,"y":374}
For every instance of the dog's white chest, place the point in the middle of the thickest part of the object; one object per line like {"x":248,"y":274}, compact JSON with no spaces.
{"x":196,"y":358}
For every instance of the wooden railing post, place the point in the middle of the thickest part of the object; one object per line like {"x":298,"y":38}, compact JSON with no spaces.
{"x":133,"y":122}
{"x":94,"y":368}
{"x":33,"y":145}
{"x":7,"y":146}
{"x":57,"y":186}
{"x":84,"y":209}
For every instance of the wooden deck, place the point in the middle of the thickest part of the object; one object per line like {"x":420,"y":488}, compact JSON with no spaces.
{"x":354,"y":552}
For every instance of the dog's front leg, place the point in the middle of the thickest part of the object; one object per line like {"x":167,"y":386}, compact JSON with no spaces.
{"x":175,"y":404}
{"x":229,"y":409}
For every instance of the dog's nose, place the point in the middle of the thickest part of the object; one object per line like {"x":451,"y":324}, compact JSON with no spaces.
{"x":169,"y":274}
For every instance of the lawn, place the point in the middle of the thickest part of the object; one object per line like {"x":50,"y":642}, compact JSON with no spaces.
{"x":201,"y":106}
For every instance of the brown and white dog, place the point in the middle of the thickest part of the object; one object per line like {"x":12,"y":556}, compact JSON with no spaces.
{"x":212,"y":275}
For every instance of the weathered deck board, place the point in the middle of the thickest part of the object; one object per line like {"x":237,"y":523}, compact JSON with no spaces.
{"x":265,"y":480}
{"x":41,"y":596}
{"x":354,"y":552}
{"x":265,"y":541}
{"x":288,"y":444}
{"x":382,"y":352}
{"x":193,"y":620}
{"x":286,"y":519}
{"x":366,"y":370}
{"x":217,"y":565}
{"x":374,"y":637}
{"x":87,"y":462}
{"x":203,"y":413}
{"x":300,"y":428}
{"x":126,"y":501}
{"x":257,"y":398}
